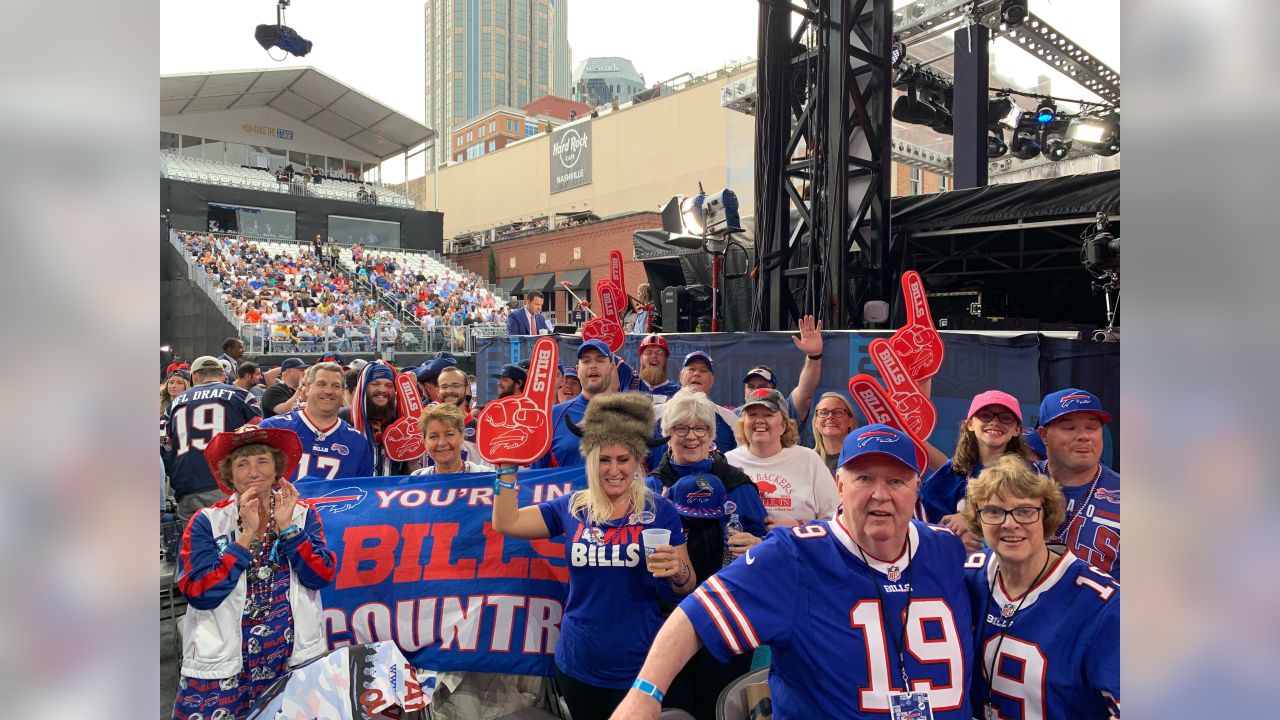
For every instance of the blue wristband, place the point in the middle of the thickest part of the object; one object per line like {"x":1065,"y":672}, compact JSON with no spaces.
{"x":648,"y":688}
{"x":499,"y":484}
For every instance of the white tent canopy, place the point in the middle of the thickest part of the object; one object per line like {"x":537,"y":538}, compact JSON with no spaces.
{"x":305,"y":94}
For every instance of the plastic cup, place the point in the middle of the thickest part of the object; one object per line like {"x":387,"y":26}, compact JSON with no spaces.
{"x":653,"y":538}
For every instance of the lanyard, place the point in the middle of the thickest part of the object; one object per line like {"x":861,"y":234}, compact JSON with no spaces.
{"x":902,"y":639}
{"x":995,"y":657}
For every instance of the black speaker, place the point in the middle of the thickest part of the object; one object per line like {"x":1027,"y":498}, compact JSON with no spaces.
{"x":673,"y":298}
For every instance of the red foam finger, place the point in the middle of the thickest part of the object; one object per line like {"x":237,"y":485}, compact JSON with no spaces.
{"x":915,"y":409}
{"x":918,"y":343}
{"x":877,"y":407}
{"x":615,"y":270}
{"x":544,"y":363}
{"x":408,"y":402}
{"x":403,"y":441}
{"x":517,"y":430}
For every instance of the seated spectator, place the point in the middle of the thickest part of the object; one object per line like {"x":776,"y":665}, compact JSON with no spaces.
{"x":794,"y":483}
{"x":251,"y":569}
{"x":833,"y":419}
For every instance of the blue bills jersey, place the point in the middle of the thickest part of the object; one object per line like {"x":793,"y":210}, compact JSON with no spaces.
{"x":1091,"y":528}
{"x":835,"y":622}
{"x":1059,"y":653}
{"x":194,"y":418}
{"x":337,"y":451}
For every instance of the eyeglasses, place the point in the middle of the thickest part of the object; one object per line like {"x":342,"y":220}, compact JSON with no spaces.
{"x":452,"y":386}
{"x":1005,"y":418}
{"x":699,"y":431}
{"x":1021,"y":515}
{"x":837,"y":413}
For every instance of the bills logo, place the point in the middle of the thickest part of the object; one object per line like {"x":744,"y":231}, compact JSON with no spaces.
{"x":1111,"y":496}
{"x":1079,"y":399}
{"x":702,"y":494}
{"x":876,"y":437}
{"x":337,"y":501}
{"x":341,"y":449}
{"x":469,"y":433}
{"x":760,"y":393}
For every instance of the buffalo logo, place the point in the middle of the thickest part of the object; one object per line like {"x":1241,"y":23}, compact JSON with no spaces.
{"x":516,"y":421}
{"x":876,"y":437}
{"x":760,"y":393}
{"x":646,"y":518}
{"x":702,"y":494}
{"x":894,"y":573}
{"x":469,"y":433}
{"x":1111,"y":496}
{"x":341,"y":449}
{"x":1081,"y":399}
{"x":222,"y":541}
{"x":337,"y":501}
{"x":766,"y":487}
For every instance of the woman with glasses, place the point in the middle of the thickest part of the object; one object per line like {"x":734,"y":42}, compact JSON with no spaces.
{"x":833,"y":419}
{"x":1047,"y":641}
{"x":794,"y":484}
{"x":707,"y":492}
{"x":993,"y":428}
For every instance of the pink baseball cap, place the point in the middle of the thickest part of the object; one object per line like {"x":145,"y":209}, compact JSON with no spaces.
{"x":995,"y":397}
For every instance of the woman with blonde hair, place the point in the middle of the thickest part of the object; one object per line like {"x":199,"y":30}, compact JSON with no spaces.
{"x":443,"y":431}
{"x":611,"y":616}
{"x":793,"y":482}
{"x":175,"y":384}
{"x":1046,"y":612}
{"x":833,"y":419}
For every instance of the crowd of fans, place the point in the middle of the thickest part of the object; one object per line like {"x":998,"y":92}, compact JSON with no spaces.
{"x":727,"y":483}
{"x":437,"y":300}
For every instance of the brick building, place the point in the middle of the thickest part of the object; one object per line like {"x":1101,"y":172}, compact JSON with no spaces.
{"x":578,"y":254}
{"x":504,"y":125}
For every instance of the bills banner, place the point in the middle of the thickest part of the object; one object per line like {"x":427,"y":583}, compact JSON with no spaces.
{"x":570,"y":157}
{"x":420,"y":565}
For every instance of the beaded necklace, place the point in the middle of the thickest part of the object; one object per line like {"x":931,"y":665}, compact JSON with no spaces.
{"x":261,"y":568}
{"x":1061,"y":536}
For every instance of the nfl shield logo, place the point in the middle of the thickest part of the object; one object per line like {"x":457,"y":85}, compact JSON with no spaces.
{"x":894,"y":573}
{"x":1007,"y":611}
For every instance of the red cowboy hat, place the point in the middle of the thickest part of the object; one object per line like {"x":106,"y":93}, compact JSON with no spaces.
{"x":286,"y":441}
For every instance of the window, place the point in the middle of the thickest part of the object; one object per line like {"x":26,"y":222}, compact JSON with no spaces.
{"x":493,"y":126}
{"x":459,"y":157}
{"x":511,"y":262}
{"x":169,"y":141}
{"x":492,"y":145}
{"x":470,"y":136}
{"x":530,"y":129}
{"x":577,"y":253}
{"x":915,"y":181}
{"x":481,"y":131}
{"x":944,"y":183}
{"x":459,"y":143}
{"x":542,"y":258}
{"x":513,"y":125}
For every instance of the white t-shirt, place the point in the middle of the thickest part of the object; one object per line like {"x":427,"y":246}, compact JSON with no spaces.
{"x":794,"y":484}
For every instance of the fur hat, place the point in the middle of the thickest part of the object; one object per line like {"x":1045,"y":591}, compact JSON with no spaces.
{"x":622,"y":418}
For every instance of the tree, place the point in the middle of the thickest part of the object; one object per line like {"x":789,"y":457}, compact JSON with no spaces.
{"x":493,"y":268}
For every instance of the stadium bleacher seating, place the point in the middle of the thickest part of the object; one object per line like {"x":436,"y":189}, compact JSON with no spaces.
{"x":209,"y":172}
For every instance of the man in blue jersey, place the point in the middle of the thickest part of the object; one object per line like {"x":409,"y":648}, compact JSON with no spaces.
{"x":1071,"y":423}
{"x":652,"y":376}
{"x":863,"y":613}
{"x":595,"y":372}
{"x":207,"y":408}
{"x":698,"y":373}
{"x":330,"y":447}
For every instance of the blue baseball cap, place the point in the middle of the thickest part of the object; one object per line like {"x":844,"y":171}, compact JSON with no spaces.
{"x":512,"y":372}
{"x":292,"y":363}
{"x":882,"y":440}
{"x":569,"y":370}
{"x":699,"y":355}
{"x":430,"y":370}
{"x":699,"y":495}
{"x":597,"y":345}
{"x":1034,"y":441}
{"x":1072,"y":400}
{"x":333,"y":357}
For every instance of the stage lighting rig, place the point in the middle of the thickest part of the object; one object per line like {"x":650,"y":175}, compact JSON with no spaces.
{"x":1100,"y":255}
{"x":928,"y":99}
{"x":996,"y":146}
{"x":1013,"y":12}
{"x":1055,"y":144}
{"x":281,"y":35}
{"x":897,"y":53}
{"x":1046,"y":111}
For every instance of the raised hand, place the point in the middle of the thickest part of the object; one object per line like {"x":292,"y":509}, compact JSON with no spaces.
{"x":249,"y":505}
{"x":286,"y":501}
{"x":607,"y":327}
{"x":615,"y":272}
{"x":915,"y":409}
{"x":810,"y":340}
{"x":917,"y":343}
{"x":402,"y":439}
{"x":517,"y":430}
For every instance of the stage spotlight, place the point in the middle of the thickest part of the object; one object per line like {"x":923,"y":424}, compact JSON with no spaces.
{"x":283,"y":37}
{"x":1001,"y":110}
{"x":924,"y":108}
{"x":1101,"y":135}
{"x":691,"y":216}
{"x":1026,"y":138}
{"x":996,"y":146}
{"x":1046,"y":111}
{"x":897,"y":53}
{"x":1055,"y":144}
{"x":1013,"y":12}
{"x":720,"y":213}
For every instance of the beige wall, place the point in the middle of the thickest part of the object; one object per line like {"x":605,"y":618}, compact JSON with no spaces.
{"x":641,"y":156}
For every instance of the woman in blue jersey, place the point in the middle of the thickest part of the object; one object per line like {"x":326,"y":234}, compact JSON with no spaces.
{"x":612,"y":614}
{"x":1047,"y":643}
{"x":992,"y":428}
